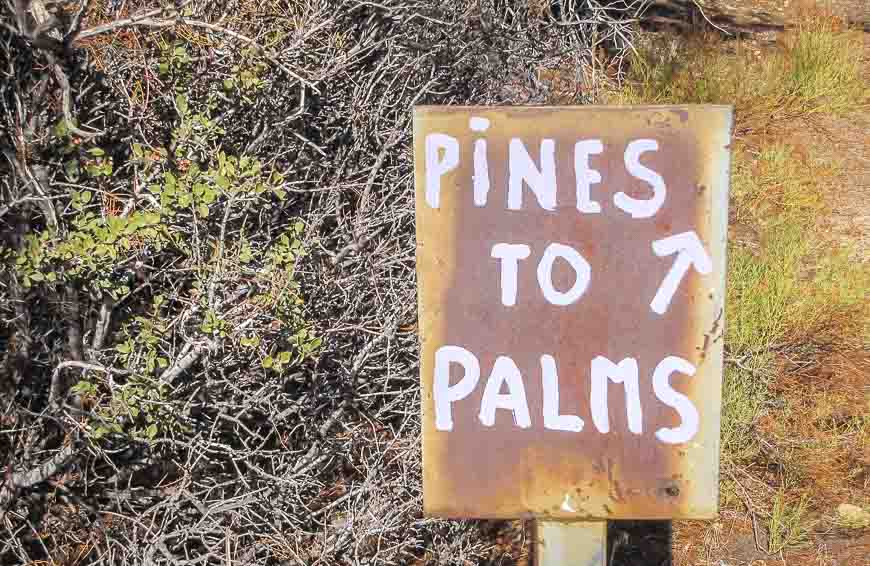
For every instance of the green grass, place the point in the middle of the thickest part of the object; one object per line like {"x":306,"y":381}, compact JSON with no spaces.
{"x":817,"y":71}
{"x":789,"y":290}
{"x":793,"y":292}
{"x":787,"y":525}
{"x":823,"y":67}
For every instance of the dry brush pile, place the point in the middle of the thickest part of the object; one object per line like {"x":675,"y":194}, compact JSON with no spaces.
{"x":207,"y":282}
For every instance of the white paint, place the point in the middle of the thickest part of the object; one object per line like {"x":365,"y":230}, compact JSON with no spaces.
{"x":626,"y":373}
{"x":585,"y":176}
{"x":436,"y":166}
{"x":522,"y":168}
{"x":505,"y":371}
{"x":481,"y":173}
{"x":566,"y":504}
{"x":510,"y":256}
{"x":444,"y":394}
{"x":478,"y":124}
{"x":641,"y":208}
{"x":582,"y":271}
{"x":682,"y":404}
{"x":690,"y":251}
{"x":552,"y":419}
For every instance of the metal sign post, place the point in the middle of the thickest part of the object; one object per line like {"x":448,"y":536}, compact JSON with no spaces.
{"x":563,"y":544}
{"x":571,"y":271}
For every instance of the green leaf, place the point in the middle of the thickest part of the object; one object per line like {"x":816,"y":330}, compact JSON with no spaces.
{"x":222,"y":182}
{"x":61,"y":129}
{"x":86,"y":196}
{"x":124,"y":347}
{"x":284,"y":357}
{"x":163,"y":362}
{"x":268,"y":362}
{"x":83,"y":388}
{"x":181,"y":103}
{"x":97,"y":152}
{"x":151,"y":431}
{"x":228,"y":84}
{"x":245,"y":256}
{"x":202,"y":210}
{"x":72,"y":169}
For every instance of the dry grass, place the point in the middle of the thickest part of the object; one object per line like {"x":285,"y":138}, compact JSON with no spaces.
{"x":795,"y":423}
{"x":790,"y":291}
{"x":822,"y":429}
{"x":813,"y":70}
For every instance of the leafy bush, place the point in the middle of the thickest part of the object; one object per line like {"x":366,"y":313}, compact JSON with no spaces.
{"x":208,"y":271}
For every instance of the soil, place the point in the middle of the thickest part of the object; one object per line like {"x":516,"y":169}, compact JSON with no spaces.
{"x":781,"y":12}
{"x":845,"y":140}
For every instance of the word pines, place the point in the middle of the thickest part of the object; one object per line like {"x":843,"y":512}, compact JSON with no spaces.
{"x":442,"y":155}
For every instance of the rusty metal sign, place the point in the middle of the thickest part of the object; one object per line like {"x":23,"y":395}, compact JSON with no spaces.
{"x":571,"y":270}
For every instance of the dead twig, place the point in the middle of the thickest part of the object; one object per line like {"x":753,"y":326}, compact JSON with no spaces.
{"x":29,"y":478}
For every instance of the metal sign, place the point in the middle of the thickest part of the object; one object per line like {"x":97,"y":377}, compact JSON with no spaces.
{"x":571,"y":270}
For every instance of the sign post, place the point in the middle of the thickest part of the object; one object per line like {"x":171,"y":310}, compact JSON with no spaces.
{"x":560,"y":544}
{"x":571,"y":272}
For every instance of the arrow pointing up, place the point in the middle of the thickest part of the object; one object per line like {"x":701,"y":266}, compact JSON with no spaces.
{"x":690,"y":251}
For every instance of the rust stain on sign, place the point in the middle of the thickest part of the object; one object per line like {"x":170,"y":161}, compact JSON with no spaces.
{"x":571,"y":290}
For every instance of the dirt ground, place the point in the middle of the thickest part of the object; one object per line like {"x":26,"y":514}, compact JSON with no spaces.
{"x":738,"y":537}
{"x":857,"y":12}
{"x":847,"y":140}
{"x":734,"y":540}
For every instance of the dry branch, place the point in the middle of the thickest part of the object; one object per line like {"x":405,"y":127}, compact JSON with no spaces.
{"x":315,"y":461}
{"x":29,"y":478}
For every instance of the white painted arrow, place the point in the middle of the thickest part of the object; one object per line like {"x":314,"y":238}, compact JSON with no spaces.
{"x":690,"y":251}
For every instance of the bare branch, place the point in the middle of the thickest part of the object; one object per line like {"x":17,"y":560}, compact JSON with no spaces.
{"x":30,"y":478}
{"x":56,"y":387}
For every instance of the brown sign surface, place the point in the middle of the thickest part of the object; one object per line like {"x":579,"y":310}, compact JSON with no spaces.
{"x":571,"y":268}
